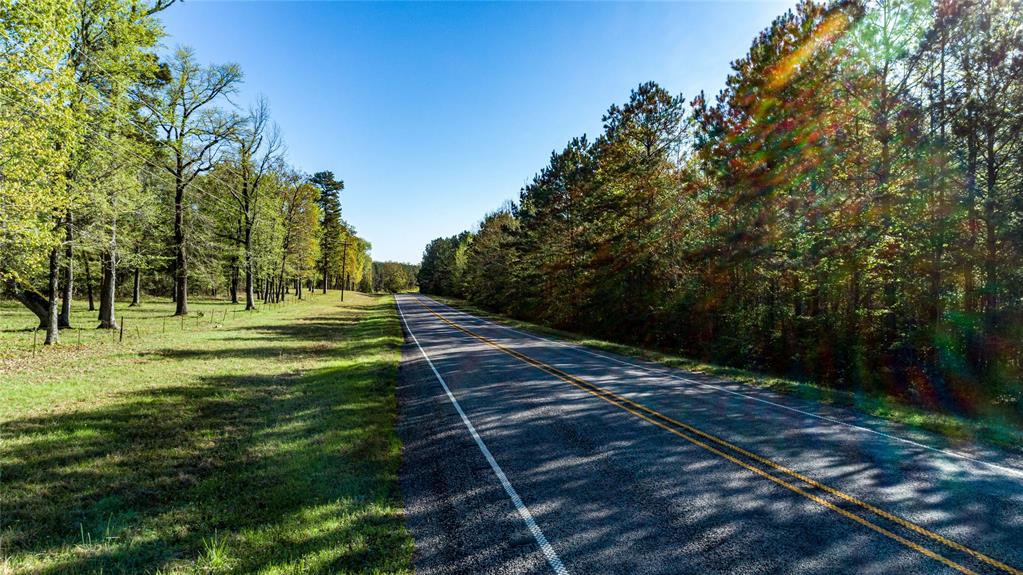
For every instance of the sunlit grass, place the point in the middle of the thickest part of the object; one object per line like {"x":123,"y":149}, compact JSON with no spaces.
{"x":263,"y":444}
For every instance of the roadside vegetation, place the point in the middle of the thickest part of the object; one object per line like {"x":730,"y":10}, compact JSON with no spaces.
{"x":394,"y":277}
{"x":127,"y":170}
{"x":1000,"y":432}
{"x":261,"y":444}
{"x":234,"y":417}
{"x":846,"y":212}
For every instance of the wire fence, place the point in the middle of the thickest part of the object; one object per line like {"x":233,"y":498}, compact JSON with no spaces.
{"x":134,"y":325}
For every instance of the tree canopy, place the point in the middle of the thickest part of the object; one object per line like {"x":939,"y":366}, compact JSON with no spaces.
{"x":846,"y":210}
{"x":120,"y":159}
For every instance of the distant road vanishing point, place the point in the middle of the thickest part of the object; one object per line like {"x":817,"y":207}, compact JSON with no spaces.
{"x":525,"y":454}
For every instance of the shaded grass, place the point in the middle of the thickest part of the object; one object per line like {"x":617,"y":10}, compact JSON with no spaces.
{"x":992,"y":430}
{"x":153,"y":318}
{"x":263,"y":446}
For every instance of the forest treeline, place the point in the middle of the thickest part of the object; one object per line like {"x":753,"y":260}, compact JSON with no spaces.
{"x":847,"y":210}
{"x":392,"y":277}
{"x":125,"y":170}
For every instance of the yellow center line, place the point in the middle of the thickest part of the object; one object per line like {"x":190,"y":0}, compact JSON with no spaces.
{"x":652,"y":416}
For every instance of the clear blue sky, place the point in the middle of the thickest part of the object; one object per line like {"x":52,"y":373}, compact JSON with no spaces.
{"x":436,"y":113}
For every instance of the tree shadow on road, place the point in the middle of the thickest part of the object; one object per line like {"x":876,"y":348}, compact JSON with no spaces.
{"x":617,"y":494}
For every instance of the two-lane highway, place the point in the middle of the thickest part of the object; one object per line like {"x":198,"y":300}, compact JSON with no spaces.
{"x":526,"y":454}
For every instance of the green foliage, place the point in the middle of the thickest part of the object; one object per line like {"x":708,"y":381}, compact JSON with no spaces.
{"x":110,"y":152}
{"x":846,"y":210}
{"x":489,"y":269}
{"x":331,"y":226}
{"x":443,"y":265}
{"x":393,"y":277}
{"x":35,"y":81}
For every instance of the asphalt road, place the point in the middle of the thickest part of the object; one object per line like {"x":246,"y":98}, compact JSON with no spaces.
{"x":528,"y":455}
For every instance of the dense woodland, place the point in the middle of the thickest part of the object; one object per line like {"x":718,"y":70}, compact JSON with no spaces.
{"x":390,"y":277}
{"x":848,"y":210}
{"x":126,"y":171}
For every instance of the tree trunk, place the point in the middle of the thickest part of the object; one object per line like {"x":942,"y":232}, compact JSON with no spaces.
{"x":344,"y":261}
{"x":940,"y":210}
{"x":181,"y":259}
{"x":282,"y":283}
{"x":69,"y":278}
{"x":235,"y":272}
{"x":972,"y":152}
{"x":136,"y":287}
{"x":990,"y":299}
{"x":35,"y":303}
{"x":250,"y":294}
{"x":52,"y":311}
{"x":102,"y":283}
{"x":325,"y":271}
{"x":107,"y":319}
{"x":88,"y":284}
{"x":852,"y":310}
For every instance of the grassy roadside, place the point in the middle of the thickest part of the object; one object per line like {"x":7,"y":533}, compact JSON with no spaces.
{"x":990,"y":431}
{"x":261,"y":444}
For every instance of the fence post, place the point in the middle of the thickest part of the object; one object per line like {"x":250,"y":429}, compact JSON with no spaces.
{"x":122,"y":331}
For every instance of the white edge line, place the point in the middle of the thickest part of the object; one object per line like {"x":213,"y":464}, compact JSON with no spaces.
{"x":527,"y":517}
{"x":582,"y":348}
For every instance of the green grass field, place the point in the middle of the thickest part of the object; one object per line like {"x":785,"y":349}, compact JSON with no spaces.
{"x":251,"y":442}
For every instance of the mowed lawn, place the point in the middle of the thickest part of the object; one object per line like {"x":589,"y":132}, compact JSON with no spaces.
{"x":252,"y":442}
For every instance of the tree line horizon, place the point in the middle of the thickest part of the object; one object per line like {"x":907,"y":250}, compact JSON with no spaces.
{"x":847,"y":210}
{"x":118,"y":159}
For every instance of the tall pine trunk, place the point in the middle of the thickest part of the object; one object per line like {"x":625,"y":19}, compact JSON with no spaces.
{"x":939,"y":210}
{"x":990,"y":299}
{"x":324,"y":271}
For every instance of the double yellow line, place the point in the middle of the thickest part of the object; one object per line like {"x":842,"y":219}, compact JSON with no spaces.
{"x":717,"y":446}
